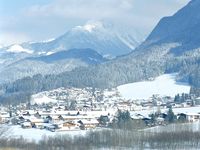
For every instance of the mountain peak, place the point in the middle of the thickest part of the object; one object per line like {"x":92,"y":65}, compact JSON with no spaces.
{"x":92,"y":26}
{"x":101,"y":36}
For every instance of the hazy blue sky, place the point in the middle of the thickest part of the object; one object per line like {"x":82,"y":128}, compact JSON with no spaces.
{"x":27,"y":20}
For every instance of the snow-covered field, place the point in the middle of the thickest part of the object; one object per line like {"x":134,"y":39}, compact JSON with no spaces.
{"x":164,"y":85}
{"x":37,"y":134}
{"x":194,"y":126}
{"x":40,"y":98}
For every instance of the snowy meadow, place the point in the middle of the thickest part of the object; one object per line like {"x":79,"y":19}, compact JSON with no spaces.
{"x":164,"y":85}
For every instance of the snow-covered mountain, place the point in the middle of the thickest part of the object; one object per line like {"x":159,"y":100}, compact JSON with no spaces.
{"x":55,"y":63}
{"x":18,"y":49}
{"x":87,"y":55}
{"x":102,"y":37}
{"x":173,"y":46}
{"x":183,"y":28}
{"x":12,"y":55}
{"x":99,"y":38}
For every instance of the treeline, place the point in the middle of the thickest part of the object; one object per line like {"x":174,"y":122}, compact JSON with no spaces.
{"x":15,"y":98}
{"x":124,"y":121}
{"x":194,"y":79}
{"x":111,"y":139}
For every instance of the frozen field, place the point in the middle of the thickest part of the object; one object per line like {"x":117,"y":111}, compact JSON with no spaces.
{"x":164,"y":85}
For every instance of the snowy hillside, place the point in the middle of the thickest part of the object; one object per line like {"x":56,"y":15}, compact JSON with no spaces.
{"x":164,"y":85}
{"x":49,"y":64}
{"x":18,"y":49}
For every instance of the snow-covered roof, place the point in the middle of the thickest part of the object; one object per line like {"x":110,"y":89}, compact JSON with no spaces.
{"x":77,"y":117}
{"x":26,"y":124}
{"x":92,"y":121}
{"x":4,"y":115}
{"x":192,"y":114}
{"x":36,"y":120}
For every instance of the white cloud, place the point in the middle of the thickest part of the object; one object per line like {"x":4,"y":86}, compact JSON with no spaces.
{"x":11,"y":38}
{"x":93,"y":9}
{"x":105,"y":8}
{"x":144,"y":12}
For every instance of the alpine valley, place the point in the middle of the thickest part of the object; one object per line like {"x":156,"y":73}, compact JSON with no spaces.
{"x":101,"y":85}
{"x":172,"y":46}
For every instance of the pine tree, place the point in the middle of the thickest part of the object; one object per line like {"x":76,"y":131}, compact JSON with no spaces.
{"x":123,"y":119}
{"x":153,"y":118}
{"x":170,"y":116}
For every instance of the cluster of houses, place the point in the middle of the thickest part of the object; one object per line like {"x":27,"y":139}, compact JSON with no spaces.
{"x":60,"y":120}
{"x":63,"y":120}
{"x":81,"y":109}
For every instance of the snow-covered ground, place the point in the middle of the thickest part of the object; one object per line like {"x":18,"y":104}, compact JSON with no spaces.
{"x":164,"y":85}
{"x":18,"y":49}
{"x":40,"y":98}
{"x":37,"y":134}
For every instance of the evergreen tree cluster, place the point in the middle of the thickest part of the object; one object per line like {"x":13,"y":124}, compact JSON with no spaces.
{"x":182,"y":98}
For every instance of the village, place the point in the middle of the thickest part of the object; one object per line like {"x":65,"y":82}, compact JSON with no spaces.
{"x":72,"y":109}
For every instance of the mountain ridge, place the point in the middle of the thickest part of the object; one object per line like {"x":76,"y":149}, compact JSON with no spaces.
{"x":101,"y":36}
{"x":50,"y":64}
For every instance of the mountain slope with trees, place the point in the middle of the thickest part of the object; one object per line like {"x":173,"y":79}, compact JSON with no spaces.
{"x":50,"y":64}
